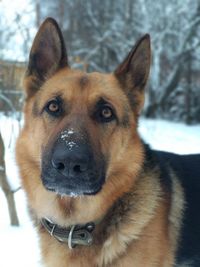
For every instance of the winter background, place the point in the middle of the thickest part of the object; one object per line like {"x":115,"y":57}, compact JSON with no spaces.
{"x":98,"y":36}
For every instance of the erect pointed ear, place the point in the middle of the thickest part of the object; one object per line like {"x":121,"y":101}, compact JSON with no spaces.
{"x":133,"y":72}
{"x":47,"y":55}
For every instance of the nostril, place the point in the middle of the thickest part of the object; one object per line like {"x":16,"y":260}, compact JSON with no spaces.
{"x":58,"y":165}
{"x":79,"y":168}
{"x":69,"y":167}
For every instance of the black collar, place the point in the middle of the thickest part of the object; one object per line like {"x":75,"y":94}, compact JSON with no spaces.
{"x":73,"y":235}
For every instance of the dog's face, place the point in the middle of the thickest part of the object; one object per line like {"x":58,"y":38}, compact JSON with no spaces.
{"x":80,"y":128}
{"x":79,"y":125}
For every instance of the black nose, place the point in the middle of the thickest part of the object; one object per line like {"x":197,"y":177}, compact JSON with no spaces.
{"x":71,"y":162}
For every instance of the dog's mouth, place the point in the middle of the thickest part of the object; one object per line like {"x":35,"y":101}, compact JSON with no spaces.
{"x":73,"y":192}
{"x":65,"y":186}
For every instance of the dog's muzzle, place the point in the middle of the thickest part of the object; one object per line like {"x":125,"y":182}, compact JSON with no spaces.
{"x":70,"y":168}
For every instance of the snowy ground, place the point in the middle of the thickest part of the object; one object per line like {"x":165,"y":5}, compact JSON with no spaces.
{"x":18,"y":245}
{"x":171,"y":136}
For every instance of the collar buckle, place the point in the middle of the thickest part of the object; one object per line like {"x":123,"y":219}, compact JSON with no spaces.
{"x":74,"y":235}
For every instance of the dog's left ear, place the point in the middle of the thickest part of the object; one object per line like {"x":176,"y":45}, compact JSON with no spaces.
{"x":133,"y":72}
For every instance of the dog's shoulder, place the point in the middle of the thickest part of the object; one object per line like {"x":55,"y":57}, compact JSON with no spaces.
{"x":189,"y":175}
{"x":187,"y":171}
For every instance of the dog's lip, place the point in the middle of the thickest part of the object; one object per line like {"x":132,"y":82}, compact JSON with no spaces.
{"x":72,"y":192}
{"x":70,"y":189}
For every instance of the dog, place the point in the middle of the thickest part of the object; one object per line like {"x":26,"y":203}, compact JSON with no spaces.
{"x":97,"y":194}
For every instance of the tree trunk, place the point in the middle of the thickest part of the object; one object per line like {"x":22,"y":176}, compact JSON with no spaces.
{"x":37,"y":14}
{"x":6,"y":187}
{"x":188,"y":91}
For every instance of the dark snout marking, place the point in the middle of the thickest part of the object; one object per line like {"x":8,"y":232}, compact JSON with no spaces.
{"x":73,"y":161}
{"x":71,"y":154}
{"x":70,"y":166}
{"x":83,"y":82}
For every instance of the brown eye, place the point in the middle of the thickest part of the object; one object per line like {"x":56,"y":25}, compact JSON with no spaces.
{"x":54,"y":108}
{"x":106,"y":113}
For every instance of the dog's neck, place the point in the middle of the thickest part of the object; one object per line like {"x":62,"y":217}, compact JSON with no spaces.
{"x":118,"y":227}
{"x":73,"y":235}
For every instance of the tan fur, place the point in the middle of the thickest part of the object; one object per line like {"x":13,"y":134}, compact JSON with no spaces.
{"x":136,"y":225}
{"x":33,"y":150}
{"x":176,"y":211}
{"x":141,"y":239}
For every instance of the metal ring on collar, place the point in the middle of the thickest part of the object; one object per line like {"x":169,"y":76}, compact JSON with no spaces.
{"x":70,"y":245}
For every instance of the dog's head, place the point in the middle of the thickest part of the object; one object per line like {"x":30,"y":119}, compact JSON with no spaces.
{"x":80,"y":128}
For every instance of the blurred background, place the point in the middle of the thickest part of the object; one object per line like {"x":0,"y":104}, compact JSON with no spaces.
{"x":98,"y":36}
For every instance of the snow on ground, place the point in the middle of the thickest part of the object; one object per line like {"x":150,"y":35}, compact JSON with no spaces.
{"x":171,"y":136}
{"x":19,"y":245}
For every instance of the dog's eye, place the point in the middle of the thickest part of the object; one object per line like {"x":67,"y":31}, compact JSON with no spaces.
{"x":53,"y":107}
{"x":105,"y":114}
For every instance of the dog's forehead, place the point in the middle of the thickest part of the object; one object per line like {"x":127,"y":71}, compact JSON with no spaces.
{"x":75,"y":84}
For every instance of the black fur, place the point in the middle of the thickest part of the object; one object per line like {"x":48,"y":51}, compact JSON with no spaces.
{"x":187,"y":169}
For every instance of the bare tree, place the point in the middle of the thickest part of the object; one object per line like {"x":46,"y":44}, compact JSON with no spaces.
{"x":98,"y":36}
{"x":37,"y":13}
{"x":9,"y":194}
{"x":174,"y":33}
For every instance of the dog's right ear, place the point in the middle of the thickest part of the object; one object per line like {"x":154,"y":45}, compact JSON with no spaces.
{"x":47,"y":55}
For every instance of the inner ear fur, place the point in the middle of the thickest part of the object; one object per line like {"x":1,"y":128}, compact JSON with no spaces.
{"x":133,"y":72}
{"x":48,"y":55}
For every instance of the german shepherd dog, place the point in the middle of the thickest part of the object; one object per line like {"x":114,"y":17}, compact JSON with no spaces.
{"x":97,"y":194}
